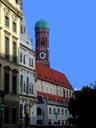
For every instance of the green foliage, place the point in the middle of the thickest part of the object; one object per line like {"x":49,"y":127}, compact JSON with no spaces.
{"x":83,"y":106}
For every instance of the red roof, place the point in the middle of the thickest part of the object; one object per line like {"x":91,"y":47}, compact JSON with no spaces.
{"x":53,"y":97}
{"x":50,"y":75}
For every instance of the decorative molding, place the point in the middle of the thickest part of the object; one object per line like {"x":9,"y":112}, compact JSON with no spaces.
{"x":14,"y":17}
{"x":19,"y":2}
{"x":7,"y":32}
{"x":7,"y":11}
{"x":15,"y":71}
{"x":12,"y":8}
{"x":7,"y":68}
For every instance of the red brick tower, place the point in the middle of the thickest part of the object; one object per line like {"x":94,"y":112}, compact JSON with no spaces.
{"x":42,"y":42}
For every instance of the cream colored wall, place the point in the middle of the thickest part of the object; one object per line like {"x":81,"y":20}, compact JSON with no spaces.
{"x":15,"y":4}
{"x":7,"y":31}
{"x":10,"y":9}
{"x":4,"y":63}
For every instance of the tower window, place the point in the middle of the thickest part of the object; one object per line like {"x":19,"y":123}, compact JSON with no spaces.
{"x":42,"y":42}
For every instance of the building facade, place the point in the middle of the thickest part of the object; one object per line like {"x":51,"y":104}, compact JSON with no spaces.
{"x":10,"y":15}
{"x":27,"y":87}
{"x":53,"y":88}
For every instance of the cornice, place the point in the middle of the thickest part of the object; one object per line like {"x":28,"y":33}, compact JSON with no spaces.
{"x":12,"y":8}
{"x":31,"y":50}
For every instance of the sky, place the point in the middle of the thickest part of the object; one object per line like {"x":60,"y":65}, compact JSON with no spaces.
{"x":72,"y":36}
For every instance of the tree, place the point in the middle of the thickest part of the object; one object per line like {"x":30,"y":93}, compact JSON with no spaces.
{"x":83,"y":106}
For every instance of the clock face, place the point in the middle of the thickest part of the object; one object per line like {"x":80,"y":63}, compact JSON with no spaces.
{"x":42,"y":55}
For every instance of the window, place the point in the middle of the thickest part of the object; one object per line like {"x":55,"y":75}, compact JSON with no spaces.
{"x":14,"y":26}
{"x":54,"y":111}
{"x":42,"y":42}
{"x":21,"y":114}
{"x":47,"y":89}
{"x":21,"y":57}
{"x":21,"y":29}
{"x":58,"y":111}
{"x":66,"y":112}
{"x":14,"y":52}
{"x":27,"y":85}
{"x":62,"y":122}
{"x":62,"y":112}
{"x":24,"y":86}
{"x":7,"y":21}
{"x":49,"y":110}
{"x":39,"y":111}
{"x":14,"y":83}
{"x":63,"y":93}
{"x":21,"y":84}
{"x":42,"y":88}
{"x":31,"y":62}
{"x":6,"y":115}
{"x":24,"y":60}
{"x":31,"y":89}
{"x":58,"y":122}
{"x":14,"y":115}
{"x":6,"y":47}
{"x":6,"y":81}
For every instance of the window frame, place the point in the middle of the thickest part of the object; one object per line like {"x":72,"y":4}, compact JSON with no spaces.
{"x":6,"y":21}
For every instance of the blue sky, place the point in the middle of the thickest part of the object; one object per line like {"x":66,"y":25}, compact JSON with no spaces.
{"x":72,"y":36}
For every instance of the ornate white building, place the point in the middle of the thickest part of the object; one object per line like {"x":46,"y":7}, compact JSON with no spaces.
{"x":27,"y":87}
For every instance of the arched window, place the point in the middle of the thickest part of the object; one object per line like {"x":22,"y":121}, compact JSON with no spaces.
{"x":58,"y":111}
{"x":54,"y":110}
{"x":50,"y":111}
{"x":39,"y":111}
{"x":24,"y":87}
{"x":27,"y":85}
{"x":42,"y":42}
{"x":24,"y":60}
{"x":64,"y":93}
{"x":62,"y":112}
{"x":21,"y":83}
{"x":30,"y":62}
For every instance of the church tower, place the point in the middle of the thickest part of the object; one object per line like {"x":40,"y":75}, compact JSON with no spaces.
{"x":42,"y":42}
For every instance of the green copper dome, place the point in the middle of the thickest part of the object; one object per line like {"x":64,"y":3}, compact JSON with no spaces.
{"x":42,"y":24}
